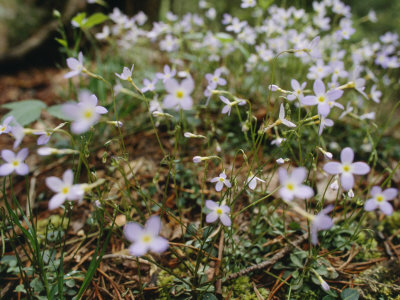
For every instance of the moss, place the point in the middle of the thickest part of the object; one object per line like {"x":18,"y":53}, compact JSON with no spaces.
{"x":164,"y":282}
{"x":380,"y":282}
{"x":242,"y":288}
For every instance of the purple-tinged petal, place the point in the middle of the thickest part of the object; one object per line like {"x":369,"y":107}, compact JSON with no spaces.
{"x":72,"y":63}
{"x":334,"y":94}
{"x":186,"y":103}
{"x":71,"y":74}
{"x":375,"y":190}
{"x":324,"y":109}
{"x":386,"y":208}
{"x":299,"y":175}
{"x":7,"y":155}
{"x":101,"y":110}
{"x":283,"y":175}
{"x":159,"y":244}
{"x":170,"y":101}
{"x":138,"y":249}
{"x":54,"y":183}
{"x":153,"y":225}
{"x":6,"y":169}
{"x":390,"y":193}
{"x":22,"y":154}
{"x":171,"y":85}
{"x":347,"y":181}
{"x":211,"y":204}
{"x":227,"y":183}
{"x":211,"y":217}
{"x":22,"y":169}
{"x":225,"y":220}
{"x":225,"y":209}
{"x":56,"y":201}
{"x":224,"y":99}
{"x":370,"y":205}
{"x":188,"y":85}
{"x":215,"y":179}
{"x":68,"y":177}
{"x":333,"y":168}
{"x":133,"y":231}
{"x":304,"y":192}
{"x":347,"y":155}
{"x":360,"y":168}
{"x":319,"y":87}
{"x":309,"y":100}
{"x":324,"y":222}
{"x":295,"y":84}
{"x":252,"y":184}
{"x":219,"y":186}
{"x":285,"y":194}
{"x":314,"y":235}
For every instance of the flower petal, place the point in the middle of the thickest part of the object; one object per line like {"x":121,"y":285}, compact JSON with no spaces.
{"x":390,"y":193}
{"x":360,"y":168}
{"x":347,"y":155}
{"x":22,"y":154}
{"x":159,"y":244}
{"x":138,"y":249}
{"x":211,"y":204}
{"x":285,"y":194}
{"x":211,"y":217}
{"x":68,"y":177}
{"x":171,"y":85}
{"x":309,"y":100}
{"x":304,"y":192}
{"x":319,"y":87}
{"x":370,"y":205}
{"x":375,"y":190}
{"x":54,"y":183}
{"x":252,"y":184}
{"x":153,"y":225}
{"x":101,"y":110}
{"x":347,"y":181}
{"x":219,"y":186}
{"x":333,"y":168}
{"x":298,"y":175}
{"x":6,"y":169}
{"x":7,"y":155}
{"x":334,"y":94}
{"x":386,"y":208}
{"x":225,"y":220}
{"x":22,"y":169}
{"x":133,"y":231}
{"x":56,"y":201}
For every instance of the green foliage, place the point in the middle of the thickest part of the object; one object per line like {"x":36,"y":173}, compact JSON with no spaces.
{"x":26,"y":111}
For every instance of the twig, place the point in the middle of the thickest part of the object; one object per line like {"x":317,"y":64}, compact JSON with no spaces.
{"x":268,"y":262}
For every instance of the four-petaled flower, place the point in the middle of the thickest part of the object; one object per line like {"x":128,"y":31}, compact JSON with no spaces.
{"x":14,"y":162}
{"x":221,"y":180}
{"x":145,"y":238}
{"x":85,"y":113}
{"x":321,"y":222}
{"x":64,"y":188}
{"x":179,"y":94}
{"x":126,"y":73}
{"x":76,"y":66}
{"x":218,"y":211}
{"x":346,"y":168}
{"x":282,"y":117}
{"x":291,"y":185}
{"x":297,"y":90}
{"x":380,"y":199}
{"x":324,"y":100}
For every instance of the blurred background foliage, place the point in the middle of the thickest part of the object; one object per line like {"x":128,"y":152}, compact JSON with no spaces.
{"x":21,"y":19}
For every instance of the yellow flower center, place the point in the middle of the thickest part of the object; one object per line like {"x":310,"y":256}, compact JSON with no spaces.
{"x":346,"y":168}
{"x":290,"y":186}
{"x":179,"y":94}
{"x":3,"y":128}
{"x":65,"y":190}
{"x":218,"y":211}
{"x":321,"y":99}
{"x":15,"y":163}
{"x":380,"y":198}
{"x":298,"y":92}
{"x":88,"y":114}
{"x":221,"y":179}
{"x":146,"y":238}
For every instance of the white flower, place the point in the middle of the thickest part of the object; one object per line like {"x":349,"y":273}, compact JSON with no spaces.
{"x":85,"y":113}
{"x":251,"y":181}
{"x":346,"y":168}
{"x":221,"y":181}
{"x":380,"y":200}
{"x":228,"y":107}
{"x":44,"y":151}
{"x":179,"y":94}
{"x":126,"y":73}
{"x":5,"y":127}
{"x":248,"y":3}
{"x":14,"y":162}
{"x":149,"y":85}
{"x":64,"y":188}
{"x":76,"y":66}
{"x":147,"y":238}
{"x":282,"y":118}
{"x":278,"y":141}
{"x":291,"y":185}
{"x":324,"y":100}
{"x":44,"y":137}
{"x":321,"y":222}
{"x":218,"y":211}
{"x":197,"y":159}
{"x":280,"y":161}
{"x":168,"y":74}
{"x":324,"y":122}
{"x":297,"y":90}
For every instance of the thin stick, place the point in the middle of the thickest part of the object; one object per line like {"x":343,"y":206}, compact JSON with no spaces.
{"x":218,"y":284}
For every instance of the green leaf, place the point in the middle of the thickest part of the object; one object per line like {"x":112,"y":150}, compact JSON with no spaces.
{"x":56,"y":111}
{"x":79,"y":19}
{"x":95,"y":19}
{"x":296,"y":261}
{"x":224,"y":37}
{"x":349,"y":294}
{"x":209,"y":296}
{"x":62,"y":42}
{"x":328,"y":297}
{"x":26,"y":111}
